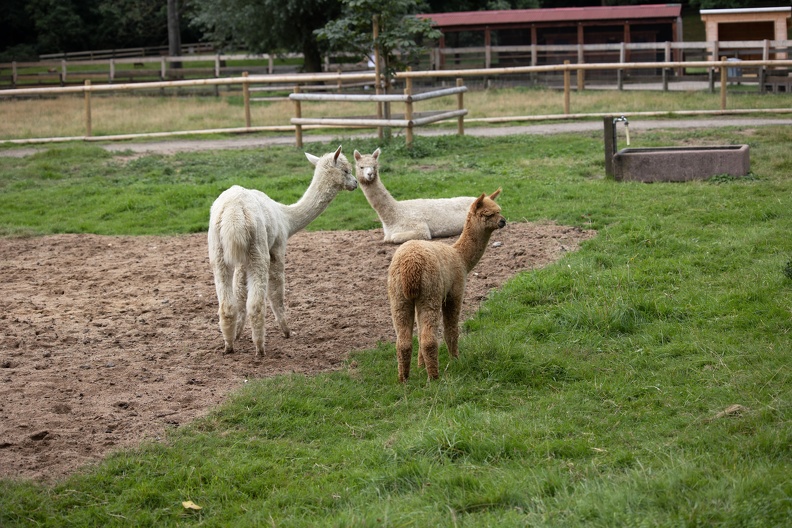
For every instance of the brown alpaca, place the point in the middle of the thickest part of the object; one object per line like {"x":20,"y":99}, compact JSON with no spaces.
{"x":427,"y":279}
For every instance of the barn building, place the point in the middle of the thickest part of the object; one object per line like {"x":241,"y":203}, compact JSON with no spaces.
{"x":560,"y":26}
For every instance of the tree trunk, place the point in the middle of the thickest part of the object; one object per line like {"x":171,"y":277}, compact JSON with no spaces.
{"x":174,"y":31}
{"x":312,"y":59}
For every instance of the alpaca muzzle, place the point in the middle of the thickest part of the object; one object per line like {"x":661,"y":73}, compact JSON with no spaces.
{"x":502,"y":223}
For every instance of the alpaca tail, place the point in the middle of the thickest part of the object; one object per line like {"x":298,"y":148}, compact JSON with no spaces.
{"x":234,"y":232}
{"x":410,"y":272}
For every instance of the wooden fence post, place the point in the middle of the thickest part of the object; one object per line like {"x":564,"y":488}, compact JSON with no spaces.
{"x":408,"y":108}
{"x":620,"y":72}
{"x":723,"y":83}
{"x":581,"y":74}
{"x":711,"y":70}
{"x":298,"y":114}
{"x":763,"y":69}
{"x":460,"y":106}
{"x":88,"y":107}
{"x":566,"y":86}
{"x":246,"y":98}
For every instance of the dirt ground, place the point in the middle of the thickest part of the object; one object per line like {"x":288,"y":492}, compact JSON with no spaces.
{"x":107,"y":341}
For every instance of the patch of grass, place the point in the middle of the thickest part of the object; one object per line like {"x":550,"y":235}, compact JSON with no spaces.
{"x":588,"y":393}
{"x":113,"y":114}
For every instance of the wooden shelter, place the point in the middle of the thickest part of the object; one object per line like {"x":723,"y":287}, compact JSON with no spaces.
{"x":766,"y":23}
{"x":560,"y":26}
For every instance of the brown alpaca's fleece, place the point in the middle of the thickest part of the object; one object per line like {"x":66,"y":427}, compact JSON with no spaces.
{"x":427,"y":280}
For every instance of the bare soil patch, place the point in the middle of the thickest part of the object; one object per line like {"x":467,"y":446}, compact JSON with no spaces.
{"x":108,"y":341}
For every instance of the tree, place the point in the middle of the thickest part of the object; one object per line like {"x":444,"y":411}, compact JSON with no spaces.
{"x":60,"y":25}
{"x":400,"y":34}
{"x":266,"y":26}
{"x":132,"y":23}
{"x":446,"y":6}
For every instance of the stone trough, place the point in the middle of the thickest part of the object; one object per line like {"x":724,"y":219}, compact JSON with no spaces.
{"x":671,"y":164}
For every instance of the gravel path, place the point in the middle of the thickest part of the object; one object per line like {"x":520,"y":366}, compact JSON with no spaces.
{"x":186,"y":145}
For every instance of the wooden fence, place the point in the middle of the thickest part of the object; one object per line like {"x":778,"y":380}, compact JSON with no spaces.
{"x":118,"y":53}
{"x":338,"y":79}
{"x":139,"y":69}
{"x":75,"y":69}
{"x":408,"y":121}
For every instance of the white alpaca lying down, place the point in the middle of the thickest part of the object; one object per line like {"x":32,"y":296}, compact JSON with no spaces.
{"x":420,"y":219}
{"x":248,"y":232}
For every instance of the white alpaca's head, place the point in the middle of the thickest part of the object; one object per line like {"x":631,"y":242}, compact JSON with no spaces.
{"x":366,"y":167}
{"x":334,"y":169}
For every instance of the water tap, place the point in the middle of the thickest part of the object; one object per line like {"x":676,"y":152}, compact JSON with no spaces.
{"x":626,"y":127}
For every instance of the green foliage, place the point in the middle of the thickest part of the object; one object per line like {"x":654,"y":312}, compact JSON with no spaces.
{"x":587,"y":393}
{"x":399,"y":37}
{"x":268,"y":26}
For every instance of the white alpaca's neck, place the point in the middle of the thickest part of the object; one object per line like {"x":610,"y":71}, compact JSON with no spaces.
{"x":315,"y":200}
{"x":381,"y":200}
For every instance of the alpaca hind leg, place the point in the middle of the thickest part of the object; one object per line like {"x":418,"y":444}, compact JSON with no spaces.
{"x":227,"y":307}
{"x":403,"y":313}
{"x":257,"y":299}
{"x":451,"y":312}
{"x":420,"y":356}
{"x":428,"y":321}
{"x":240,"y":297}
{"x":277,"y":292}
{"x":416,"y":233}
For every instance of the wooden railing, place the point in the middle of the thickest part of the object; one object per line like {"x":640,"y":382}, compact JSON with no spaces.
{"x":407,"y":77}
{"x":408,"y":121}
{"x":186,"y":49}
{"x":76,"y":69}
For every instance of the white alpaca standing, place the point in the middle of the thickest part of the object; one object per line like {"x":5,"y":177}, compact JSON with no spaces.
{"x":248,"y":232}
{"x":420,"y":219}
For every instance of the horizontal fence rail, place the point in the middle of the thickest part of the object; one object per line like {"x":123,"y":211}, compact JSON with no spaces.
{"x":407,"y":77}
{"x":76,"y":68}
{"x":409,"y":121}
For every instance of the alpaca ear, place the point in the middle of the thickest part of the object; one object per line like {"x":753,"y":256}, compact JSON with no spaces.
{"x":479,"y":201}
{"x":313,"y":159}
{"x":357,"y":155}
{"x":376,"y":154}
{"x":337,"y":153}
{"x":495,"y":194}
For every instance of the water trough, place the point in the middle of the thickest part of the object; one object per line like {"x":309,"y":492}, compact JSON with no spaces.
{"x":670,"y":164}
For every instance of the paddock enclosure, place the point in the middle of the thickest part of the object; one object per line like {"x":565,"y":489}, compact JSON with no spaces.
{"x":108,"y":341}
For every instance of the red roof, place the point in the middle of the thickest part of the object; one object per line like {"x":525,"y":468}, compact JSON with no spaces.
{"x":562,"y":14}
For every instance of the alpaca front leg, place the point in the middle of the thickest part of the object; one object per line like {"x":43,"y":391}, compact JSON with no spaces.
{"x":404,"y":355}
{"x":256,"y":301}
{"x":451,"y":312}
{"x":277,"y":292}
{"x":227,"y":315}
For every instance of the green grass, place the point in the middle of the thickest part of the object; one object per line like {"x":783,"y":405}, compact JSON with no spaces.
{"x":586,"y":394}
